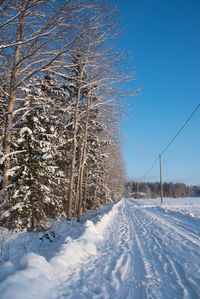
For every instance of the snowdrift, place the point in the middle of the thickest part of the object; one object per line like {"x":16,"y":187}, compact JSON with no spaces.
{"x":34,"y":276}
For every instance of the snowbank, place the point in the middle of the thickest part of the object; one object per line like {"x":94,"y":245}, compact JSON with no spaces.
{"x":33,"y":280}
{"x":34,"y":276}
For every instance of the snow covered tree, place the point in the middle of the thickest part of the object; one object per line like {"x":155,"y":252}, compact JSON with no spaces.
{"x":38,"y":181}
{"x":60,"y":105}
{"x":35,"y":36}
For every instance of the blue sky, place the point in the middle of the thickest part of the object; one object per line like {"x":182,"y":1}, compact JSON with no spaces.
{"x":163,"y":36}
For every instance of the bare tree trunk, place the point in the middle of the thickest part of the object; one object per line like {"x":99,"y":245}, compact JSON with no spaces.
{"x":79,"y":212}
{"x":80,"y":175}
{"x":82,"y":162}
{"x":77,"y":187}
{"x":73,"y":163}
{"x":85,"y":190}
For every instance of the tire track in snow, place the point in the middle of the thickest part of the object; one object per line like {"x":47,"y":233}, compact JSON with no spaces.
{"x":141,"y":269}
{"x":184,"y":257}
{"x":176,"y":226}
{"x":109,"y":274}
{"x":141,"y":257}
{"x":170,"y":248}
{"x":118,"y":266}
{"x":148,"y":273}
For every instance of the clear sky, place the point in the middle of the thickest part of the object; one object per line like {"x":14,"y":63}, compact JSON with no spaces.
{"x":164,"y":38}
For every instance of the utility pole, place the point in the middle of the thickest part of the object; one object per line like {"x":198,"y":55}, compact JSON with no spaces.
{"x":161,"y":185}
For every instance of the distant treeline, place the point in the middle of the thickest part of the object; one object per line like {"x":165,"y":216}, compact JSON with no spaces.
{"x":169,"y":189}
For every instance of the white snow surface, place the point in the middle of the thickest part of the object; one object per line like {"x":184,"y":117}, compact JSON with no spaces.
{"x":133,"y":249}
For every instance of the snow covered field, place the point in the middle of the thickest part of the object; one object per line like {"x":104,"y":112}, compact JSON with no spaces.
{"x":135,"y":249}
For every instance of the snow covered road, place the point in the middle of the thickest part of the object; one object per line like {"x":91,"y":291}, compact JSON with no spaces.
{"x":132,"y":250}
{"x":147,"y":252}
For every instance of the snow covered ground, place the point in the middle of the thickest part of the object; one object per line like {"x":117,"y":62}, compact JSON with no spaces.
{"x":135,"y":249}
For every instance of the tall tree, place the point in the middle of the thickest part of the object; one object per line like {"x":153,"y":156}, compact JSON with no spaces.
{"x":35,"y":35}
{"x":38,"y":177}
{"x":60,"y":149}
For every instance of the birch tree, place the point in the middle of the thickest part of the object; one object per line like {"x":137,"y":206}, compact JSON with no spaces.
{"x":96,"y":74}
{"x":61,"y":106}
{"x":34,"y":35}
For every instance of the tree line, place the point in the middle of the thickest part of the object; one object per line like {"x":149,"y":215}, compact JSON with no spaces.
{"x":61,"y":91}
{"x":152,"y":189}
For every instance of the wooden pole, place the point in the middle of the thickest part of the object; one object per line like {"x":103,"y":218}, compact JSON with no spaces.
{"x":161,"y":185}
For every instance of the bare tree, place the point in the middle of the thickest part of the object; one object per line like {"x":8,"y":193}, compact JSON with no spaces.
{"x":35,"y":35}
{"x":99,"y":75}
{"x":66,"y":46}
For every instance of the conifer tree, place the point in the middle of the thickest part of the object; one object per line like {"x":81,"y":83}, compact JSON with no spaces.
{"x":37,"y":185}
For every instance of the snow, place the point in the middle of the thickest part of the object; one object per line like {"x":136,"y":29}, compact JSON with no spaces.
{"x":189,"y":205}
{"x":133,"y":249}
{"x":24,"y":279}
{"x":25,"y":130}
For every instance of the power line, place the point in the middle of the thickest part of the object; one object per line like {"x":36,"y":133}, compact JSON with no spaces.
{"x":168,"y":145}
{"x":181,"y":129}
{"x":149,"y":169}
